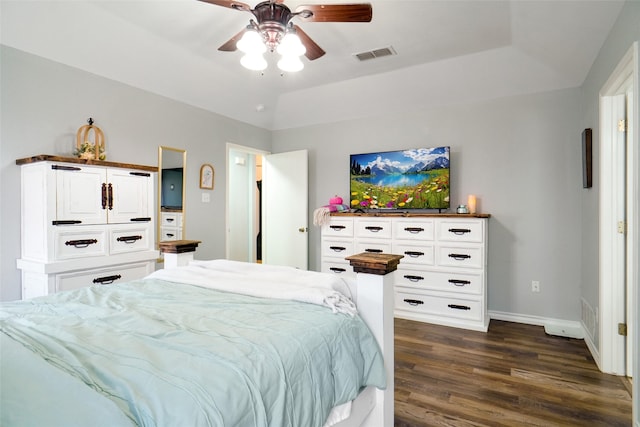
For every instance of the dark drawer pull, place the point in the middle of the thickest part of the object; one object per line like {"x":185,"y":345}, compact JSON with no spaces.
{"x":373,"y":228}
{"x":65,"y":168}
{"x":413,"y":278}
{"x":337,"y":248}
{"x":374,"y":251}
{"x":413,"y":302}
{"x":169,"y":234}
{"x":457,"y":282}
{"x":66,"y":222}
{"x":337,"y":270}
{"x":459,"y":231}
{"x":337,"y":227}
{"x":142,"y":219}
{"x":459,"y":257}
{"x":107,"y":280}
{"x":128,"y":239}
{"x":80,"y":243}
{"x":169,"y":219}
{"x":110,"y":196}
{"x":414,"y":230}
{"x":139,"y":174}
{"x":414,"y":254}
{"x":104,"y":195}
{"x":459,"y":307}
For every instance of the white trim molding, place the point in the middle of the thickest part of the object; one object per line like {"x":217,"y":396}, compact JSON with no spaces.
{"x":558,"y":327}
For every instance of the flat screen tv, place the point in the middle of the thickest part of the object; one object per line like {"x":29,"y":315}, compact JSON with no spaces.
{"x":401,"y":180}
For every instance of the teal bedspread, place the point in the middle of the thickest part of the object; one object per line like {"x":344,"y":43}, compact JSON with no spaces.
{"x":157,"y":353}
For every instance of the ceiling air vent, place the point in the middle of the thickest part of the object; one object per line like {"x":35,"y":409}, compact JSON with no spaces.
{"x":377,"y":53}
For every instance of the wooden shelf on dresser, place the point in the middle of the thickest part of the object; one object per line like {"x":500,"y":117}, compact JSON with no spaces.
{"x":84,"y":222}
{"x":443,"y":276}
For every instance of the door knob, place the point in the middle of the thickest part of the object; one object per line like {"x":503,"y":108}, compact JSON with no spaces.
{"x":303,"y":229}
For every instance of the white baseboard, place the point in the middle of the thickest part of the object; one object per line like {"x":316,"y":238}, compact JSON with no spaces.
{"x":558,"y":327}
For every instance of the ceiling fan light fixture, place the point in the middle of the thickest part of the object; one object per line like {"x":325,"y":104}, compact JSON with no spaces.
{"x":290,"y":63}
{"x":290,"y":45}
{"x":254,"y":61}
{"x":251,"y":42}
{"x":273,"y":24}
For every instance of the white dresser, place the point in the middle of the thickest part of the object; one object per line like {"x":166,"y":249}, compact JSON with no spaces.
{"x":443,"y":276}
{"x":84,"y":222}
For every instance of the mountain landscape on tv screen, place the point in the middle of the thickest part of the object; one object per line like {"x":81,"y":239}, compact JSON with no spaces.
{"x":407,"y":179}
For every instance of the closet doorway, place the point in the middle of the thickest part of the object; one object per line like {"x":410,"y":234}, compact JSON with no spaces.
{"x":243,"y":216}
{"x":267,"y":206}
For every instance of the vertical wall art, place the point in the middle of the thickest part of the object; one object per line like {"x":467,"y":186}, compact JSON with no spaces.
{"x":587,"y":174}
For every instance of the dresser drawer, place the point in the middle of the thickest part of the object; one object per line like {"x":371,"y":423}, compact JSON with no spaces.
{"x":130,"y":239}
{"x":440,"y":281}
{"x":170,"y":233}
{"x":336,"y":248}
{"x":460,"y":231}
{"x":373,"y":228}
{"x":373,"y":246}
{"x":341,"y":268}
{"x":461,"y":308}
{"x":406,"y":229}
{"x":342,"y":227}
{"x":460,"y":256}
{"x":171,"y":219}
{"x":415,"y":254}
{"x":80,"y":242}
{"x":103,"y":276}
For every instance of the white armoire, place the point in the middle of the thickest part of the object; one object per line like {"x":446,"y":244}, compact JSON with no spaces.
{"x":84,"y":222}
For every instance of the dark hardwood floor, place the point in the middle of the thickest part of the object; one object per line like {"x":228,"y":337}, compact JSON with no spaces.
{"x":514,"y":375}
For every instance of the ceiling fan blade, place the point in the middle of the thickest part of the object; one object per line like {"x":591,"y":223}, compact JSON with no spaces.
{"x":335,"y":12}
{"x":230,"y":45}
{"x":313,"y":50}
{"x":230,"y":4}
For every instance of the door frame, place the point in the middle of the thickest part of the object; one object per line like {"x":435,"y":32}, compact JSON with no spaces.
{"x":247,"y":150}
{"x":612,"y":307}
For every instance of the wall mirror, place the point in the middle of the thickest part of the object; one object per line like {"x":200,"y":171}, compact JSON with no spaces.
{"x":172,"y":163}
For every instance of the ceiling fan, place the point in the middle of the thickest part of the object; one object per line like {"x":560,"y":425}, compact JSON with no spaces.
{"x":273,"y":22}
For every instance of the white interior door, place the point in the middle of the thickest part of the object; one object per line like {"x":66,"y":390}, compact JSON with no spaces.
{"x":631,"y":244}
{"x":612,"y":234}
{"x":285,"y":209}
{"x":622,"y":82}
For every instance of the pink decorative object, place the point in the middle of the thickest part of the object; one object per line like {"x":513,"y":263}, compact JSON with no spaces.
{"x":335,"y":200}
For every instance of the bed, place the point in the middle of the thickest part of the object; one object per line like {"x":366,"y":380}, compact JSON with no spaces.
{"x":214,"y":343}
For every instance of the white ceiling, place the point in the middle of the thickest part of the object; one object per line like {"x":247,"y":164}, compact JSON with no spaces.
{"x":448,"y":51}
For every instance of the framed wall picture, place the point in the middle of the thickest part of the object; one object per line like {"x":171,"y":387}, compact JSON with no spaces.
{"x":206,"y":176}
{"x":587,"y":174}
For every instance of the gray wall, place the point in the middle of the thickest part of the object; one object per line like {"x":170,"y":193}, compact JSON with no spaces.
{"x":521,"y":156}
{"x":44,"y":103}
